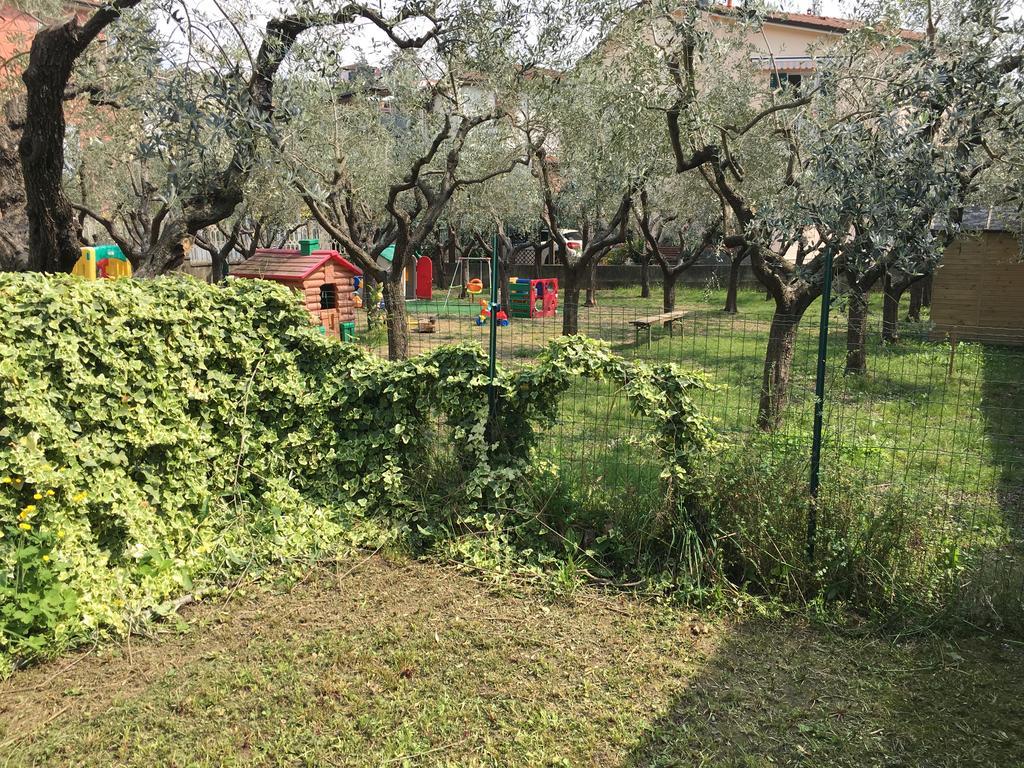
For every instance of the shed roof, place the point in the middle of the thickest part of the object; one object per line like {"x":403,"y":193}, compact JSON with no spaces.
{"x":289,"y":264}
{"x":992,"y":219}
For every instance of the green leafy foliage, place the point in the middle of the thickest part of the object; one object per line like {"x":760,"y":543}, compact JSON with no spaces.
{"x":161,"y":434}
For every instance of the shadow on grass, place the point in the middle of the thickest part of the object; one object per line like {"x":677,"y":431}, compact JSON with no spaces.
{"x":779,"y":696}
{"x":1002,"y":403}
{"x":997,"y":587}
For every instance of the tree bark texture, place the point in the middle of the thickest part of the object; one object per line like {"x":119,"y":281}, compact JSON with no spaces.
{"x":892,"y":293}
{"x":645,"y":274}
{"x":570,"y":289}
{"x":778,"y":364}
{"x":592,"y":285}
{"x":54,"y":234}
{"x":857,"y":333}
{"x":917,"y":291}
{"x":669,"y":278}
{"x":732,"y":292}
{"x":13,"y":219}
{"x":397,"y":320}
{"x":54,"y":230}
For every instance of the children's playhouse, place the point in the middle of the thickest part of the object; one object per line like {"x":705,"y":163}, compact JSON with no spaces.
{"x":325,"y":280}
{"x":533,"y":297}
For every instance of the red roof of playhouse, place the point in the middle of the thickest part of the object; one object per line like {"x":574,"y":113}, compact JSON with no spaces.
{"x":289,"y":264}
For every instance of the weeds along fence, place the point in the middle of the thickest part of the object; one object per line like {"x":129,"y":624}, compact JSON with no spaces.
{"x":922,"y":491}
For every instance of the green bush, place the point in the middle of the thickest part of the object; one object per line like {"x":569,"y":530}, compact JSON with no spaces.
{"x":156,"y":433}
{"x":152,"y":433}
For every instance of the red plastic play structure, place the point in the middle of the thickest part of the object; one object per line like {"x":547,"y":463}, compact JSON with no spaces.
{"x":533,"y":297}
{"x":424,"y":278}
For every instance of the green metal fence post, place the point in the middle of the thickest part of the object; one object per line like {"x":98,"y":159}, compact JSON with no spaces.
{"x":492,"y":351}
{"x":819,"y":404}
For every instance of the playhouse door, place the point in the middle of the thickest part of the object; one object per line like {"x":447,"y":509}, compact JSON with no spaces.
{"x":424,"y":278}
{"x":330,"y":320}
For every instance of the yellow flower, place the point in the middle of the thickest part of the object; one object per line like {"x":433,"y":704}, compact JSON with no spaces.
{"x":46,"y":558}
{"x":78,"y":498}
{"x":49,"y":492}
{"x":6,"y":480}
{"x":37,"y":496}
{"x":29,"y":509}
{"x":25,"y":526}
{"x":60,"y":533}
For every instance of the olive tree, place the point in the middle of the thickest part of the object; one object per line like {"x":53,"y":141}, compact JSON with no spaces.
{"x":379,"y":162}
{"x":590,"y":161}
{"x":205,"y":94}
{"x":680,"y":210}
{"x":792,"y":165}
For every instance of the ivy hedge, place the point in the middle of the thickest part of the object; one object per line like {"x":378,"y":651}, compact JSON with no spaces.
{"x":159,"y":435}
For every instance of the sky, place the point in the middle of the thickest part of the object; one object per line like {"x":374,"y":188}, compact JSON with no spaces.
{"x":364,"y":41}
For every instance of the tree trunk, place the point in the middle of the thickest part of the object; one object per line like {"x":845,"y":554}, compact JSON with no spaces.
{"x":926,"y":293}
{"x":397,"y":320}
{"x":668,"y":289}
{"x":54,"y":234}
{"x":778,"y":363}
{"x":645,"y":274}
{"x":504,"y":290}
{"x":892,"y":293}
{"x":440,"y":269}
{"x":218,"y":265}
{"x":916,"y":300}
{"x":13,"y":221}
{"x":570,"y":289}
{"x":592,"y":285}
{"x":734,"y":284}
{"x":168,"y":253}
{"x":857,"y":332}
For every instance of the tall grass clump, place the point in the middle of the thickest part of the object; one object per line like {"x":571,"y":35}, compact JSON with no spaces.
{"x":885,"y":550}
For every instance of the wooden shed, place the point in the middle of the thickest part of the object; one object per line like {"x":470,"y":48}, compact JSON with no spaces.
{"x":978,"y":292}
{"x":324,"y":278}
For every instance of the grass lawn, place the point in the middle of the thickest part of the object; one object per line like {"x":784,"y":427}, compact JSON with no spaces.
{"x":376,"y":663}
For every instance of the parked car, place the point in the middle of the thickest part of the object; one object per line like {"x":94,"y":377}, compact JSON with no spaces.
{"x":573,"y":242}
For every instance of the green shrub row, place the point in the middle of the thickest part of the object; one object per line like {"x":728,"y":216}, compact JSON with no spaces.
{"x":157,"y":434}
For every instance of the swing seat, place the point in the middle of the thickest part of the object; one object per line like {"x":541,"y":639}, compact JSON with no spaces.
{"x":475,"y":286}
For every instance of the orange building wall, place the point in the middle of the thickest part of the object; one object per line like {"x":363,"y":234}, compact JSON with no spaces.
{"x":16,"y":31}
{"x":18,"y":27}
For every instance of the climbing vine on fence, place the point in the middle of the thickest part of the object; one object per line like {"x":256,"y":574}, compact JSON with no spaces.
{"x":159,"y":435}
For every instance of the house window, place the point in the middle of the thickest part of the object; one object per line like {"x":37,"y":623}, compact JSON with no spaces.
{"x":328,"y":296}
{"x":783,"y":79}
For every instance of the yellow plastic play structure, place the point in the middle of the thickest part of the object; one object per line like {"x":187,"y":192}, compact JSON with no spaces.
{"x":102,"y":261}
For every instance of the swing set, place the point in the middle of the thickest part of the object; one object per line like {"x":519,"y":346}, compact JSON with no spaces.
{"x":474,"y":285}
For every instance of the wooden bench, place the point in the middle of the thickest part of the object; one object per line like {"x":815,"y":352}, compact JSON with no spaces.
{"x":665,"y":318}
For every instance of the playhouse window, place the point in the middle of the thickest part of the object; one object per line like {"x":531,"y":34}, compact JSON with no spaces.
{"x":328,"y":296}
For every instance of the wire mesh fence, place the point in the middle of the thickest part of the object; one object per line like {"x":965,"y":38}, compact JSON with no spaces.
{"x":927,"y":439}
